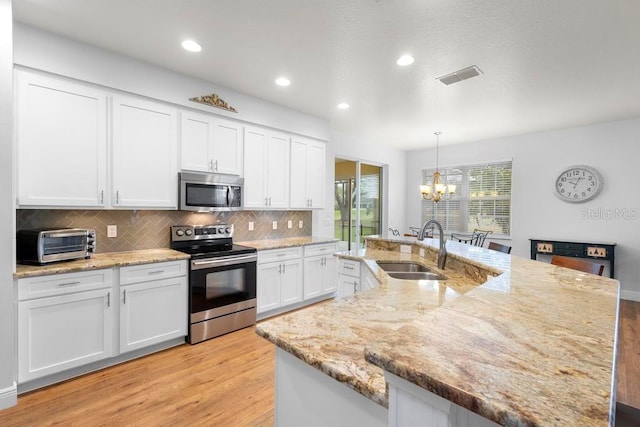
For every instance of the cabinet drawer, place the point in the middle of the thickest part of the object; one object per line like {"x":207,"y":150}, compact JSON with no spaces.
{"x":321,"y":249}
{"x":349,"y":267}
{"x":62,"y":284}
{"x":275,"y":255}
{"x":155,"y":271}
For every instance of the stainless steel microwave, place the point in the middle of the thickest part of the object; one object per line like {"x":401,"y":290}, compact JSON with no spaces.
{"x":208,"y":192}
{"x":45,"y":245}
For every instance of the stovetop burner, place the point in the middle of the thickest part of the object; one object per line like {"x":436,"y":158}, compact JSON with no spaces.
{"x":206,"y":241}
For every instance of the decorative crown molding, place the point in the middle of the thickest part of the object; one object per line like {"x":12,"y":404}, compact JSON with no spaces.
{"x":213,"y":100}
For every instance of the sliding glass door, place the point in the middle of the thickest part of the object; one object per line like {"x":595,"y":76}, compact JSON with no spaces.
{"x":358,"y":202}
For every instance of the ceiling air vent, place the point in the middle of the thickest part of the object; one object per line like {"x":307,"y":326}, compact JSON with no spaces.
{"x":460,"y":75}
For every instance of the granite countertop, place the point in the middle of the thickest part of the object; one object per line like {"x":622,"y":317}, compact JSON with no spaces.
{"x":532,"y":345}
{"x":100,"y":260}
{"x":287,"y":242}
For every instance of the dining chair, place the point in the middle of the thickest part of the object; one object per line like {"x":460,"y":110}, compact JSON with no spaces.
{"x":499,"y":247}
{"x":475,"y":238}
{"x":480,"y":236}
{"x":578,"y":264}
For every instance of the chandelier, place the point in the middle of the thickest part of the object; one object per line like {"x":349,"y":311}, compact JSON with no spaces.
{"x":437,"y":190}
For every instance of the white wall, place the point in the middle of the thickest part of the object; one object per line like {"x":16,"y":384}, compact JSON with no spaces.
{"x":45,"y":51}
{"x":7,"y":212}
{"x":351,"y":147}
{"x":612,"y":148}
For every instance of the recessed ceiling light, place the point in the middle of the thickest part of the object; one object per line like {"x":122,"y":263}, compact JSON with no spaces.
{"x":191,"y":46}
{"x":343,"y":106}
{"x":405,"y":60}
{"x":283,"y":81}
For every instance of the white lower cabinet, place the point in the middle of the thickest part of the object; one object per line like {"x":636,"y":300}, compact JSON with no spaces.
{"x":69,"y":320}
{"x":64,"y":321}
{"x":348,"y":277}
{"x":320,"y":268}
{"x":152,"y":309}
{"x":280,"y":278}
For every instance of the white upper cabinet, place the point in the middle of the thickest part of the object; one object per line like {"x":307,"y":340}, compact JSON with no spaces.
{"x":145,"y":144}
{"x":210,"y":144}
{"x":308,"y":166}
{"x":266,"y":166}
{"x":61,"y":142}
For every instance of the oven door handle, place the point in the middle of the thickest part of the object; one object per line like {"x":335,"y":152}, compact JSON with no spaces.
{"x":223,"y":261}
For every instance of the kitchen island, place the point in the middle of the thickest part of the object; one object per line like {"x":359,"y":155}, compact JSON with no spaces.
{"x":514,"y":341}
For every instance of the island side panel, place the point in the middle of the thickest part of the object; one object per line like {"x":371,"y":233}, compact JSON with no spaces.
{"x":306,"y":396}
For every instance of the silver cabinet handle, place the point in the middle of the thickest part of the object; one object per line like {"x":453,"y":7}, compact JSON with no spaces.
{"x":280,"y":269}
{"x":284,"y":268}
{"x":266,"y":201}
{"x":124,"y":296}
{"x":68,"y":284}
{"x":215,"y":166}
{"x":269,"y":201}
{"x":155,"y":272}
{"x":211,"y":165}
{"x":117,"y":197}
{"x":108,"y":299}
{"x":355,"y":285}
{"x":102,"y":197}
{"x":347,"y":267}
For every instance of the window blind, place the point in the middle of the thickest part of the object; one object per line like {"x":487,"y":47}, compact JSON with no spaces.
{"x":482,"y":199}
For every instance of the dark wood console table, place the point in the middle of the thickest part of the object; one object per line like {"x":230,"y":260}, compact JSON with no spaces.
{"x":595,"y":251}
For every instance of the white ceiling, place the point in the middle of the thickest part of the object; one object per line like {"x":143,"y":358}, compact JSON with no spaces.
{"x":547,"y":63}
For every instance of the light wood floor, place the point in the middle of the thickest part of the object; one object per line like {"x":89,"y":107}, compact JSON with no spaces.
{"x":227,"y":381}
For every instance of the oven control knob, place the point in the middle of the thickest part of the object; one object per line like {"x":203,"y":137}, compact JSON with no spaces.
{"x":188,"y":232}
{"x":228,"y":230}
{"x":179,"y":232}
{"x":221,"y":230}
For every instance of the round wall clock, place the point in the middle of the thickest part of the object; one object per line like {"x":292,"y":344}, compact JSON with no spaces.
{"x":578,"y":184}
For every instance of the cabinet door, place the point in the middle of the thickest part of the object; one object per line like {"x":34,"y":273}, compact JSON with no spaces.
{"x":291,"y":284}
{"x":227,"y":147}
{"x":61,"y":142}
{"x":313,"y":268}
{"x":330,"y":274}
{"x":278,"y":170}
{"x":152,"y":312}
{"x":63,"y":332}
{"x":255,"y":151}
{"x":316,"y":170}
{"x":268,"y":287}
{"x":298,"y":178}
{"x":347,"y":286}
{"x":196,"y":136}
{"x":145,"y":170}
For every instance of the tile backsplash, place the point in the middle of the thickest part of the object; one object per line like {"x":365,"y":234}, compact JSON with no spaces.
{"x":150,"y":229}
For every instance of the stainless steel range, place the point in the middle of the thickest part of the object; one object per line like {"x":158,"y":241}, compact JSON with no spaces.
{"x":222,"y":280}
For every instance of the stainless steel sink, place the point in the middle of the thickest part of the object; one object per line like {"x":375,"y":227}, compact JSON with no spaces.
{"x":417,"y":275}
{"x":409,"y":271}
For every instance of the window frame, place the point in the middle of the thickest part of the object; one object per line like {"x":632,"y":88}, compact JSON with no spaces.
{"x":460,"y":220}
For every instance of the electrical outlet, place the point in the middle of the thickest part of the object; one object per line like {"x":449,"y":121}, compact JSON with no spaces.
{"x":405,"y":249}
{"x":250,"y":225}
{"x":275,"y":225}
{"x":422,"y":252}
{"x":289,"y":224}
{"x":112,"y":231}
{"x":300,"y":224}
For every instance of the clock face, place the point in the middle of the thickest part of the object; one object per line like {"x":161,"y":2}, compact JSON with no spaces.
{"x":578,"y":184}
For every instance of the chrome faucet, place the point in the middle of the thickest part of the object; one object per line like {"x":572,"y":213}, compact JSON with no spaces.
{"x":442,"y":252}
